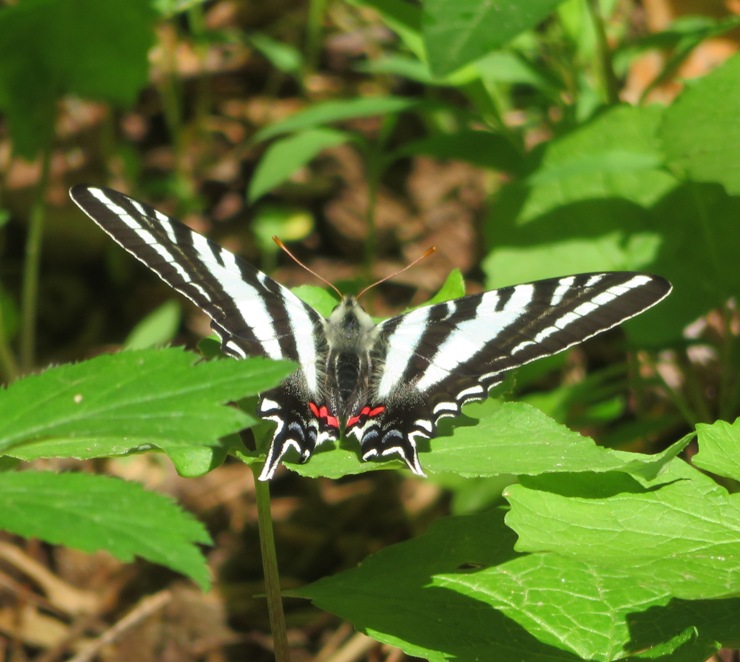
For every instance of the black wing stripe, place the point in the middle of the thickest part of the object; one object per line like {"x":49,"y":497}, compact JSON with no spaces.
{"x":252,"y":313}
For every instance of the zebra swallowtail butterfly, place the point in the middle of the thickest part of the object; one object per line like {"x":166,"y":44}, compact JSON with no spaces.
{"x":388,"y":384}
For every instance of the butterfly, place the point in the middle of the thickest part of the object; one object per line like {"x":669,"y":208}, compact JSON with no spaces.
{"x":387,"y":385}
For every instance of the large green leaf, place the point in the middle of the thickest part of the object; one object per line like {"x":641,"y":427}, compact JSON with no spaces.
{"x":701,"y":135}
{"x":485,"y":601}
{"x":679,"y":532}
{"x":119,"y":403}
{"x":98,"y":512}
{"x":510,"y":438}
{"x":393,"y":595}
{"x":589,"y":205}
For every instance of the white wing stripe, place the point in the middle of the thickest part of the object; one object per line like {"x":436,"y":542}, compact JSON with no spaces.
{"x":414,"y":324}
{"x":562,"y":289}
{"x":472,"y":335}
{"x":301,"y":327}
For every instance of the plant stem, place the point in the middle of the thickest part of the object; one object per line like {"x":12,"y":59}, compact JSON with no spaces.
{"x":270,"y":568}
{"x":603,"y":54}
{"x":316,"y":10}
{"x":8,"y":366}
{"x":31,"y":267}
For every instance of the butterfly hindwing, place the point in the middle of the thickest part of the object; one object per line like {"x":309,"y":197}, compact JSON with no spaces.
{"x":437,"y":358}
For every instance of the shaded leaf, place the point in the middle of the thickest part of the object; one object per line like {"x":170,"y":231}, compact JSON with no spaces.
{"x":90,"y":513}
{"x":700,"y":134}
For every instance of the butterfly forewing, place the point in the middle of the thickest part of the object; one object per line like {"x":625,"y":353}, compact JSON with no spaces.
{"x":253,"y":314}
{"x":387,"y":385}
{"x":456,"y":351}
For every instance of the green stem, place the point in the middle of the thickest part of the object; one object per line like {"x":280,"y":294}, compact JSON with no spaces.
{"x":316,"y":10}
{"x":8,"y":366}
{"x":712,"y":248}
{"x":270,"y":569}
{"x":29,"y":296}
{"x":603,"y":54}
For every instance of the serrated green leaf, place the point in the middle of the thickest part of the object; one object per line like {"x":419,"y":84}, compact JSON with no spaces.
{"x":719,"y":448}
{"x":285,"y":156}
{"x":90,"y":513}
{"x":704,"y":149}
{"x":509,"y":438}
{"x":119,"y":403}
{"x":680,"y":531}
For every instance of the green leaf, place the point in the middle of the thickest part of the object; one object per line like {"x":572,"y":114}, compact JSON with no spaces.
{"x":92,"y":48}
{"x":595,"y":612}
{"x":285,"y":156}
{"x":719,"y":448}
{"x":679,"y":531}
{"x":283,"y":57}
{"x":509,"y":438}
{"x":316,"y":297}
{"x":480,"y":148}
{"x":90,"y":513}
{"x":157,"y":328}
{"x":457,"y":32}
{"x":120,"y":403}
{"x":564,"y":602}
{"x":484,"y":599}
{"x":698,"y":225}
{"x":701,"y":137}
{"x":452,"y":288}
{"x":590,"y":204}
{"x":393,"y":595}
{"x":337,"y":111}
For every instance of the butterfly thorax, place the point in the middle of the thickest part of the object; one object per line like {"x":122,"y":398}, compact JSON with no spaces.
{"x":350,"y":335}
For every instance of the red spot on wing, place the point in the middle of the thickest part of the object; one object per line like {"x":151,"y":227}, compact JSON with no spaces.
{"x":366,"y":412}
{"x":323,"y":414}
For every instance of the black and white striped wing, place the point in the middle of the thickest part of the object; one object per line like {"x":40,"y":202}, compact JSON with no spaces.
{"x":253,"y":314}
{"x":437,"y":358}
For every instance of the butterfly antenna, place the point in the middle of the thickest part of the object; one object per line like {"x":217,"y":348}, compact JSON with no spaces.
{"x":280,"y":243}
{"x":423,"y":256}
